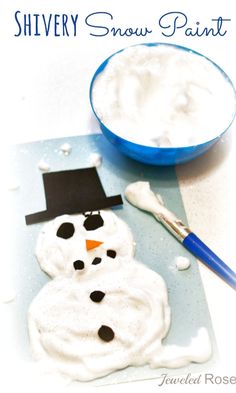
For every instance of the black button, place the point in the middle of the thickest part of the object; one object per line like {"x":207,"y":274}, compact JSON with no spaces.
{"x":97,"y":296}
{"x":106,"y":333}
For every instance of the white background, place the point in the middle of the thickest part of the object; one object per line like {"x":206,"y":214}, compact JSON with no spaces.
{"x":44,"y":84}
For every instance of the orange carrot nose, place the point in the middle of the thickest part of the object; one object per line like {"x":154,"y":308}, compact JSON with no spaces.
{"x":91,"y":244}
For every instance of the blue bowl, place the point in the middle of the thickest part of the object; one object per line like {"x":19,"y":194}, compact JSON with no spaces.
{"x":158,"y":155}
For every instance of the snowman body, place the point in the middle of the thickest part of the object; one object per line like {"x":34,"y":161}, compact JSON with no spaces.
{"x":103,"y":311}
{"x":94,"y":323}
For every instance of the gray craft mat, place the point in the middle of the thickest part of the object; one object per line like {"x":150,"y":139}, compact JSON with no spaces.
{"x":155,"y":246}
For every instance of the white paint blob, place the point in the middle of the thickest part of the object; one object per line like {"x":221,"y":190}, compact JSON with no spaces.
{"x":140,"y":195}
{"x":182,"y":263}
{"x":13,"y":185}
{"x":7,"y":292}
{"x":43,"y":166}
{"x":95,"y":159}
{"x":66,"y":148}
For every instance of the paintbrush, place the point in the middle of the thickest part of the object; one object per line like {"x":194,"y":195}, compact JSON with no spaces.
{"x":141,"y":196}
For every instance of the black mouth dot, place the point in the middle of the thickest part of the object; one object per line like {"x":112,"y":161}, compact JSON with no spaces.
{"x":97,"y":296}
{"x":78,"y":265}
{"x":106,"y":333}
{"x":111,"y":253}
{"x":96,"y":261}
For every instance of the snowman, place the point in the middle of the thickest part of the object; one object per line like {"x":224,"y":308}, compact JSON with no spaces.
{"x":68,"y":239}
{"x":102,"y":311}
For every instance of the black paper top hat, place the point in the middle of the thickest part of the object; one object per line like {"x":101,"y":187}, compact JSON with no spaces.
{"x":73,"y":191}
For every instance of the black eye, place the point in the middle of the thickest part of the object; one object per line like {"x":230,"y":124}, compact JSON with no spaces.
{"x":111,"y":253}
{"x":93,"y":221}
{"x":66,"y":230}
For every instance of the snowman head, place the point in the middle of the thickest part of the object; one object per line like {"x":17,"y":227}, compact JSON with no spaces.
{"x":79,"y":233}
{"x":81,"y":242}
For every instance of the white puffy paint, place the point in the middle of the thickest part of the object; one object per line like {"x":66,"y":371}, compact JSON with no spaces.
{"x":95,"y":159}
{"x":141,"y":196}
{"x":43,"y":166}
{"x":7,"y":292}
{"x":66,"y":148}
{"x":163,"y":96}
{"x":13,"y":185}
{"x":182,"y":263}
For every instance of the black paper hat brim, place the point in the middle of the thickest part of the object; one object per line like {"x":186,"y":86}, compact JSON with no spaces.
{"x":73,"y":209}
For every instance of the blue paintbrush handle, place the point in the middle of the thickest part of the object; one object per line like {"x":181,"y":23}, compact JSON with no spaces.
{"x":201,"y":251}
